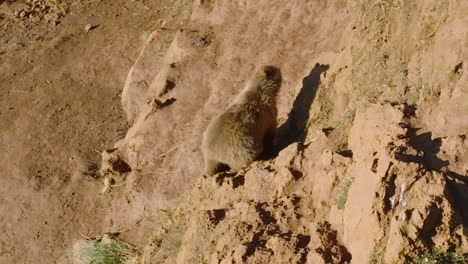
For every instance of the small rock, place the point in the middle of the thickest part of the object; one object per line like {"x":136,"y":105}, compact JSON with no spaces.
{"x":90,"y":27}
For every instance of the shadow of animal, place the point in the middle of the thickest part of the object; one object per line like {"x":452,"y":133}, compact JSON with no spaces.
{"x":293,"y":130}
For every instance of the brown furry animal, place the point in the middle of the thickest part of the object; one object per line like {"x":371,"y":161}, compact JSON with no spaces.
{"x":237,"y":136}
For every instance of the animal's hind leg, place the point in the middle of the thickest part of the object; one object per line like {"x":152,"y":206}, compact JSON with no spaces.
{"x":242,"y":162}
{"x":269,"y":140}
{"x":268,"y":150}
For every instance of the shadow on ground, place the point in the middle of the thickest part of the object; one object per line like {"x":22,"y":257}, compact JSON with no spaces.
{"x":293,"y":130}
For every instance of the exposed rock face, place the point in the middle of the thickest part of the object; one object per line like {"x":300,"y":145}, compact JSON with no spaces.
{"x":371,"y":159}
{"x":288,"y":210}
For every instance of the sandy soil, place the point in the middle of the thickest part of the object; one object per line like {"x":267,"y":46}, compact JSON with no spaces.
{"x":60,"y":107}
{"x":370,"y":164}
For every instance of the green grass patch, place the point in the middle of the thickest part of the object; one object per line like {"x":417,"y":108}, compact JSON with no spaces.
{"x":343,"y":190}
{"x":182,"y":6}
{"x":431,"y":94}
{"x":165,"y":44}
{"x":107,"y":250}
{"x":422,"y":91}
{"x":172,"y":240}
{"x":403,"y":68}
{"x":144,"y":37}
{"x":436,"y":256}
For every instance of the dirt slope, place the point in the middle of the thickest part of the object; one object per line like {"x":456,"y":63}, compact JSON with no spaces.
{"x":363,"y":174}
{"x":59,"y":107}
{"x":370,"y":165}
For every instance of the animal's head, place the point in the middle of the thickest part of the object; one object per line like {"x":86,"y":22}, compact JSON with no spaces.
{"x":268,"y":79}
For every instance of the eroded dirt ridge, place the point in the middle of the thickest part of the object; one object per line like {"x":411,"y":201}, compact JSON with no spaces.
{"x":361,"y":174}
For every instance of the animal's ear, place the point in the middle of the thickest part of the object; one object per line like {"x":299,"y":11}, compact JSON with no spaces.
{"x":272,"y":72}
{"x":269,"y":76}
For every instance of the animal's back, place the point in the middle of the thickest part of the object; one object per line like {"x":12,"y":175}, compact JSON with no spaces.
{"x":236,"y":136}
{"x":229,"y":137}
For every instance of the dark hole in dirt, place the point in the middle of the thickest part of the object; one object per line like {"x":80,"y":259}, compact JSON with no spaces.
{"x":111,"y":150}
{"x":327,"y":130}
{"x":408,"y":213}
{"x":409,"y":111}
{"x":269,"y":168}
{"x":296,"y":173}
{"x":238,"y":181}
{"x":273,"y":230}
{"x":346,"y":153}
{"x":295,"y":200}
{"x":302,"y":241}
{"x":217,"y":215}
{"x":222,"y":173}
{"x":112,"y":181}
{"x":400,"y":136}
{"x":120,"y":166}
{"x":287,"y":236}
{"x":159,"y":104}
{"x":169,"y":101}
{"x":222,"y":168}
{"x":303,"y":259}
{"x":293,"y":130}
{"x":266,"y":216}
{"x":169,"y":86}
{"x":458,"y":68}
{"x":410,"y":131}
{"x":375,"y":164}
{"x":390,"y":190}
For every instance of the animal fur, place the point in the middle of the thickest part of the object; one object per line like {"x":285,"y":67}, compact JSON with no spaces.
{"x":237,"y":136}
